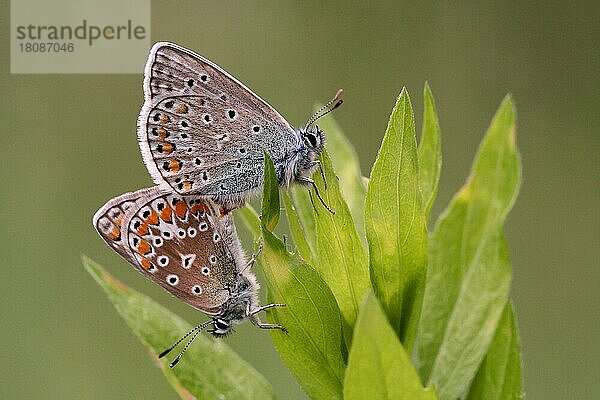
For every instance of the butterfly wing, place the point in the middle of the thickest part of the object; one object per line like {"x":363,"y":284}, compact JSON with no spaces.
{"x":203,"y":132}
{"x":110,"y":218}
{"x":179,"y":242}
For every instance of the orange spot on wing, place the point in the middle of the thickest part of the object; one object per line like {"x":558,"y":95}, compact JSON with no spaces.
{"x":182,"y":109}
{"x":167,"y":148}
{"x":142,"y":230}
{"x":180,"y":209}
{"x":119,"y":220}
{"x":152,"y":218}
{"x":164,"y":118}
{"x":115,"y":234}
{"x":144,"y":247}
{"x":187,"y":185}
{"x":174,"y":165}
{"x":166,"y":214}
{"x":200,"y":208}
{"x":162,"y":133}
{"x":145,"y":263}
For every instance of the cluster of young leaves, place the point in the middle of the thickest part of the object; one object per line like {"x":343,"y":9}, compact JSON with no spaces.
{"x":377,"y":307}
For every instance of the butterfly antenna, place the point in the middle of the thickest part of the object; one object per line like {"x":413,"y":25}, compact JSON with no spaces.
{"x":196,"y":329}
{"x":176,"y":360}
{"x":326,"y":109}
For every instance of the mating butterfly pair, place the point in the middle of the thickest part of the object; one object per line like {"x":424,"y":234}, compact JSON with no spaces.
{"x":203,"y":135}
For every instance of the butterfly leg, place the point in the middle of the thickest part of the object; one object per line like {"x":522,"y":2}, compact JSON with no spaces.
{"x":252,"y":260}
{"x":254,"y":256}
{"x":318,"y":164}
{"x":309,"y":181}
{"x":266,"y":307}
{"x":256,"y":321}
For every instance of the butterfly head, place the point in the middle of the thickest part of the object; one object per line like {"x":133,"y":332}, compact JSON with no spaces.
{"x":221,"y":327}
{"x":313,"y":137}
{"x":243,"y":297}
{"x":233,"y":313}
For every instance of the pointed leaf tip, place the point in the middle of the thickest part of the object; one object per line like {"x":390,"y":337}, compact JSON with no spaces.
{"x":396,"y":225}
{"x":207,"y":369}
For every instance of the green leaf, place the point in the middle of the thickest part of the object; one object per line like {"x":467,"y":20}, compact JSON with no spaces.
{"x":250,"y":219}
{"x":312,"y":349}
{"x":473,"y":321}
{"x":305,"y":213}
{"x":499,"y":376}
{"x":469,"y":270}
{"x":270,"y":202}
{"x":395,"y":224}
{"x":299,"y":236}
{"x":378,"y":366}
{"x":341,"y":258}
{"x":346,"y":165}
{"x":430,"y":152}
{"x":209,"y":369}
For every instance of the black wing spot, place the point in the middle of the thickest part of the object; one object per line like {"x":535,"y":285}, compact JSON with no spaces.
{"x":190,"y":82}
{"x":169,"y":104}
{"x":162,"y":261}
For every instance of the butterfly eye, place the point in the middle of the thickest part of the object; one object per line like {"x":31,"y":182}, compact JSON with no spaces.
{"x":221,"y":325}
{"x":312,"y":139}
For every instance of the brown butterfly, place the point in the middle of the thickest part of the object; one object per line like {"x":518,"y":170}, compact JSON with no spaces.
{"x":185,"y":245}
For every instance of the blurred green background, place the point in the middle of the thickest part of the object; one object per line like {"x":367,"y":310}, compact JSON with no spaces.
{"x":68,"y":144}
